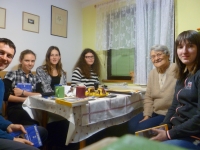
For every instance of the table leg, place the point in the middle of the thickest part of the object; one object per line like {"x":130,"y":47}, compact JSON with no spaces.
{"x":44,"y":118}
{"x":82,"y":144}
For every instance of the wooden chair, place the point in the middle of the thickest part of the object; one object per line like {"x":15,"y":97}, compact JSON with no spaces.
{"x":2,"y":74}
{"x":4,"y":109}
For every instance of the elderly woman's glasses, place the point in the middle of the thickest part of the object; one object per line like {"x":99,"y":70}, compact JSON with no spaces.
{"x":158,"y":55}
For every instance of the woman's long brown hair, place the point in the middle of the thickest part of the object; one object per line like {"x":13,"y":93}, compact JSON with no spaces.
{"x":193,"y":37}
{"x":85,"y":68}
{"x":48,"y":64}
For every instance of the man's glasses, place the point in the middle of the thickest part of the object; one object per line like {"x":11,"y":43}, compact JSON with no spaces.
{"x":91,"y":57}
{"x":158,"y":55}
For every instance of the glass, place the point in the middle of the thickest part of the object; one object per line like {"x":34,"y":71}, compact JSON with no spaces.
{"x":80,"y":91}
{"x":157,"y":55}
{"x":59,"y":91}
{"x":91,"y":57}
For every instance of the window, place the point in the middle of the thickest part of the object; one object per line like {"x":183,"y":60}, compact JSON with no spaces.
{"x":121,"y":25}
{"x":119,"y":64}
{"x":120,"y":61}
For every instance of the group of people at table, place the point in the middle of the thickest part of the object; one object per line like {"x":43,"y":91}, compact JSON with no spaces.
{"x":172,"y":96}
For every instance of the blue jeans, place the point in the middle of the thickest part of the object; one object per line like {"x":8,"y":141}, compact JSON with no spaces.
{"x":134,"y":125}
{"x":188,"y":143}
{"x":7,"y":144}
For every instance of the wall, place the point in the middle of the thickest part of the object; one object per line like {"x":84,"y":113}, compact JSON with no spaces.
{"x":80,"y":20}
{"x":89,"y":36}
{"x":186,"y":18}
{"x":187,"y":15}
{"x":70,"y":47}
{"x":89,"y":26}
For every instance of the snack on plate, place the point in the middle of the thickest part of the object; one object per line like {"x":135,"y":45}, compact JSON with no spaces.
{"x":100,"y":92}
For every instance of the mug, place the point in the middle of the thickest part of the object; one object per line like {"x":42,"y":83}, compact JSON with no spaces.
{"x":59,"y":91}
{"x":80,"y":91}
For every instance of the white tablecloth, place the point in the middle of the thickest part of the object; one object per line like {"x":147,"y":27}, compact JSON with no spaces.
{"x":88,"y":119}
{"x":108,"y":108}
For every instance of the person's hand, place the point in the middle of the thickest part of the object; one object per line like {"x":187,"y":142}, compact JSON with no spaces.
{"x":161,"y":135}
{"x":15,"y":127}
{"x":17,"y":91}
{"x":145,"y":118}
{"x":23,"y":141}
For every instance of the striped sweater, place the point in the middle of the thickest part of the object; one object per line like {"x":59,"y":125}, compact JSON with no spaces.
{"x":77,"y":77}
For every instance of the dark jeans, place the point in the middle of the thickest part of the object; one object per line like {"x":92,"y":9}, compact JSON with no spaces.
{"x":6,"y":144}
{"x":116,"y":131}
{"x":57,"y":134}
{"x":134,"y":125}
{"x":17,"y":115}
{"x":43,"y":134}
{"x":188,"y":143}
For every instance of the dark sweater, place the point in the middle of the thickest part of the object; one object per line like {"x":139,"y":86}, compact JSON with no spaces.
{"x":183,"y":117}
{"x":3,"y":123}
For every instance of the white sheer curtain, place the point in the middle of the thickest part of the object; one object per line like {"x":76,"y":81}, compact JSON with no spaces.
{"x":154,"y":25}
{"x":115,"y":25}
{"x":137,"y":24}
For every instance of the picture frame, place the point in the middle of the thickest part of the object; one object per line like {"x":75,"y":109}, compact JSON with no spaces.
{"x":2,"y":18}
{"x":30,"y":22}
{"x":59,"y":22}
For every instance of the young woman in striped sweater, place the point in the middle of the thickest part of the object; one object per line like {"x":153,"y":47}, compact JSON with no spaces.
{"x":87,"y":69}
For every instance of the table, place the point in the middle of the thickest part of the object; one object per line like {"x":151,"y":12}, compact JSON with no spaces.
{"x":88,"y":119}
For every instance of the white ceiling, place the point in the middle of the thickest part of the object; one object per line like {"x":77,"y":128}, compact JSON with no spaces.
{"x":85,"y":3}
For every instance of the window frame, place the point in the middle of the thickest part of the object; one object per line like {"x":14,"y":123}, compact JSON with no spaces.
{"x":109,"y":68}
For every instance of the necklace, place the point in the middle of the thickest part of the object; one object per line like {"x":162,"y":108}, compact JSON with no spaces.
{"x":162,"y":78}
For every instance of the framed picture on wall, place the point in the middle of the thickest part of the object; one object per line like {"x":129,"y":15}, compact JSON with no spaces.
{"x":2,"y":18}
{"x":30,"y":22}
{"x":59,"y":21}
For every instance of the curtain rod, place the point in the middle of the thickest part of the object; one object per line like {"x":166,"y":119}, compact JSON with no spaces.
{"x":111,"y":1}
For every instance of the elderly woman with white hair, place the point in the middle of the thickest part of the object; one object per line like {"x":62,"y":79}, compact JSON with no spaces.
{"x":159,"y":92}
